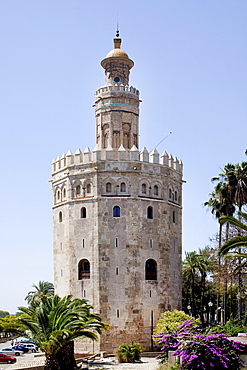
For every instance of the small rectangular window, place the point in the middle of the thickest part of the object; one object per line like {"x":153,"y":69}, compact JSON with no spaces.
{"x":150,"y":293}
{"x":83,"y":243}
{"x":117,"y":313}
{"x":116,"y":270}
{"x":61,"y":272}
{"x":150,"y":243}
{"x":116,"y":242}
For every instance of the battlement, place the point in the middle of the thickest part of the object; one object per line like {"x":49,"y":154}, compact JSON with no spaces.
{"x":120,"y":154}
{"x":117,"y":87}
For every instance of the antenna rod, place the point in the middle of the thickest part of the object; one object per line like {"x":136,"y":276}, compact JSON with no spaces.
{"x":162,"y":140}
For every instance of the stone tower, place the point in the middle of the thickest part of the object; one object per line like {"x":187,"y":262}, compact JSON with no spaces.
{"x":117,"y":218}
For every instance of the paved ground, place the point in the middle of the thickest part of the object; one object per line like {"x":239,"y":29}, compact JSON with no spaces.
{"x":106,"y":363}
{"x":29,"y":360}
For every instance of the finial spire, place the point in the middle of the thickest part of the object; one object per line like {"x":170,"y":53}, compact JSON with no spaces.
{"x":117,"y":32}
{"x":117,"y":41}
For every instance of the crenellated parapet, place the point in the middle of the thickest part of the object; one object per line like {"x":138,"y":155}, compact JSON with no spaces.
{"x":116,"y":88}
{"x":121,"y":154}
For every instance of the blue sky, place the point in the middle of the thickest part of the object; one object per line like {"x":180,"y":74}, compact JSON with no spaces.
{"x":190,"y":67}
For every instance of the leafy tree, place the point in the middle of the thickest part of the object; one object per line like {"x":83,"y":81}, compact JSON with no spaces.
{"x":3,"y":314}
{"x":54,"y":324}
{"x":43,"y":288}
{"x":170,"y":321}
{"x":10,"y":324}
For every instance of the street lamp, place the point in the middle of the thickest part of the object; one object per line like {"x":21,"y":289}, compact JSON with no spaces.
{"x":189,"y":308}
{"x":210,"y":304}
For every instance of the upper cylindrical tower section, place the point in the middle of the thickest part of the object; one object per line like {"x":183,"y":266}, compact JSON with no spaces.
{"x":117,"y":65}
{"x":117,"y":104}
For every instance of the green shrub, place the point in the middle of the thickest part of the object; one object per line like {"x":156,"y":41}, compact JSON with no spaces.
{"x":231,"y":328}
{"x":129,"y":352}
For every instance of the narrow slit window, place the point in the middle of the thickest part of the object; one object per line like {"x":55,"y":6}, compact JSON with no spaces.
{"x":156,"y":190}
{"x":144,"y":189}
{"x":123,"y":187}
{"x":60,"y":217}
{"x":117,"y":313}
{"x":173,"y":217}
{"x":78,"y":190}
{"x":116,"y":242}
{"x":116,"y":270}
{"x":108,"y":187}
{"x":150,"y":243}
{"x":150,"y":212}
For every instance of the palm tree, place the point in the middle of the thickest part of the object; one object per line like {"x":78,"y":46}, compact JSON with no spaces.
{"x":203,"y":266}
{"x":238,"y":242}
{"x":241,"y":184}
{"x":43,"y":288}
{"x":189,"y":269}
{"x":55,"y":323}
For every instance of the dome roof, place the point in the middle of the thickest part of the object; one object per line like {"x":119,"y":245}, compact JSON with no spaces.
{"x":119,"y":53}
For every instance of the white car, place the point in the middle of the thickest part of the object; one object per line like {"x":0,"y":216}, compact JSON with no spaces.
{"x":31,"y":347}
{"x":11,"y":352}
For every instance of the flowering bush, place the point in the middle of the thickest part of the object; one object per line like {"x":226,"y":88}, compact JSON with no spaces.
{"x":200,"y":351}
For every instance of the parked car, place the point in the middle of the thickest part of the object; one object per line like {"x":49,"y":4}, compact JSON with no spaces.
{"x":7,"y":359}
{"x":11,"y":352}
{"x":19,"y":347}
{"x":31,"y":347}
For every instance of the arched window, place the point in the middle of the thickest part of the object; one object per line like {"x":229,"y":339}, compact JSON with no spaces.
{"x":156,"y":190}
{"x":150,"y":212}
{"x":144,"y":189}
{"x":88,"y":188}
{"x":116,"y":211}
{"x":108,"y":187}
{"x":58,"y":195}
{"x":170,"y":193}
{"x":123,"y":187}
{"x":60,"y":216}
{"x":151,"y":270}
{"x":78,"y":190}
{"x":83,"y":269}
{"x":83,"y":212}
{"x":176,"y":195}
{"x":64,"y":193}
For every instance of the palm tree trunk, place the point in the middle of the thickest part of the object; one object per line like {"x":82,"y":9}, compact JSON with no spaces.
{"x":51,"y":362}
{"x":63,"y":359}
